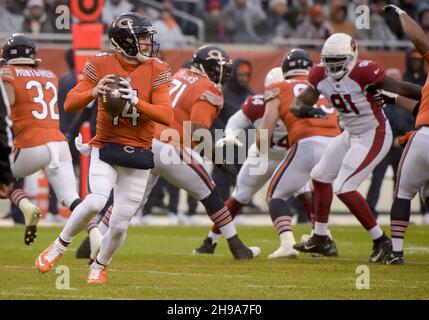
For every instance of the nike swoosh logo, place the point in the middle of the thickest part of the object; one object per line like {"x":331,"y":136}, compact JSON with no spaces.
{"x":309,"y":247}
{"x":376,"y":71}
{"x":39,"y":260}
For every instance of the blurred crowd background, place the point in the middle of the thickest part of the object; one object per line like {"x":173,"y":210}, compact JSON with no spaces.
{"x":229,"y":21}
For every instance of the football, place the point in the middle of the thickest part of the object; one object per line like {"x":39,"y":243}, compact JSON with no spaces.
{"x":112,"y":101}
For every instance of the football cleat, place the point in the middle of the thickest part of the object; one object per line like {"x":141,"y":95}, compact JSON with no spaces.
{"x":393,"y":258}
{"x":96,"y":274}
{"x":32,"y":215}
{"x":284,"y":251}
{"x":240,"y":251}
{"x":46,"y":260}
{"x":332,"y":252}
{"x":207,"y":247}
{"x":381,"y":248}
{"x":315,"y":244}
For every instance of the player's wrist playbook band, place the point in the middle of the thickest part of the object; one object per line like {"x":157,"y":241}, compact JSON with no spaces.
{"x":121,"y":155}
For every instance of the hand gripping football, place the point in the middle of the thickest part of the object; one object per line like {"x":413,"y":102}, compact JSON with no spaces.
{"x":112,"y":101}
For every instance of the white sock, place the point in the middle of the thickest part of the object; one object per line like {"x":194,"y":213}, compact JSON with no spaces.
{"x":397,"y":244}
{"x":375,"y":232}
{"x":321,"y":228}
{"x":103,"y":227}
{"x":214,"y":236}
{"x":287,"y":237}
{"x":24,"y":204}
{"x":228,"y":230}
{"x":329,"y":234}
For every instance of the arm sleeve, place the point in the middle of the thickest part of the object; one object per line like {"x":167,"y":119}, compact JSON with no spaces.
{"x":79,"y":97}
{"x":203,"y":113}
{"x":237,"y":121}
{"x":5,"y":139}
{"x":160,"y":110}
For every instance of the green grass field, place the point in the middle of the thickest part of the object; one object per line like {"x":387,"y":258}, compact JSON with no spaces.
{"x":155,"y":263}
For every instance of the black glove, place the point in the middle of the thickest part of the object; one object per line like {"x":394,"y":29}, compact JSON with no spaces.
{"x":310,"y":112}
{"x":384,"y":97}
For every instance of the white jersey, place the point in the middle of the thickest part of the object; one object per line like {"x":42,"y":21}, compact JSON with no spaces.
{"x":358,"y":112}
{"x":251,"y":113}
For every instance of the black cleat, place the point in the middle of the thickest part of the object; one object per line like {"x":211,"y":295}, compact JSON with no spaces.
{"x":240,"y":251}
{"x":207,"y":247}
{"x":84,"y":250}
{"x":30,"y":234}
{"x":381,"y":248}
{"x":393,"y":258}
{"x":331,"y":252}
{"x":316,"y":244}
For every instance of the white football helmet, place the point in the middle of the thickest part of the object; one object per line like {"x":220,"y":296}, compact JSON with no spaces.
{"x":273,"y":76}
{"x":339,"y":55}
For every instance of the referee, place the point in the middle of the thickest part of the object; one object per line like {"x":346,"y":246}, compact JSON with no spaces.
{"x":6,"y":177}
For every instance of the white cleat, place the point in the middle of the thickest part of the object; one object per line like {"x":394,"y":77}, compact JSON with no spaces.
{"x":95,"y":238}
{"x":285,"y":251}
{"x":32,"y":215}
{"x":256,"y":251}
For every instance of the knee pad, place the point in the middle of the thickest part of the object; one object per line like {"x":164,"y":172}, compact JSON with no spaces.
{"x":95,"y":202}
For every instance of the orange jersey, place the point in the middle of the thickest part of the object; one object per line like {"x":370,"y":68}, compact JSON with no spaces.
{"x":422,"y":118}
{"x":35,"y":111}
{"x":136,"y":125}
{"x":195,"y":99}
{"x":300,"y":128}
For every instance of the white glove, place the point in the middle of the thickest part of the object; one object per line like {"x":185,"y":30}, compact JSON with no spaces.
{"x":228,"y":141}
{"x":397,"y":10}
{"x":128,"y":92}
{"x":83,"y":148}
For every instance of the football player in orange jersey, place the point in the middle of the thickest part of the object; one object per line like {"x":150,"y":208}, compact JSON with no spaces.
{"x":38,"y":144}
{"x":121,"y":153}
{"x":308,"y":141}
{"x":413,"y":173}
{"x":197,"y":100}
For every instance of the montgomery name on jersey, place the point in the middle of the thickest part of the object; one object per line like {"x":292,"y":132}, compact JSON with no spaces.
{"x":35,"y":114}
